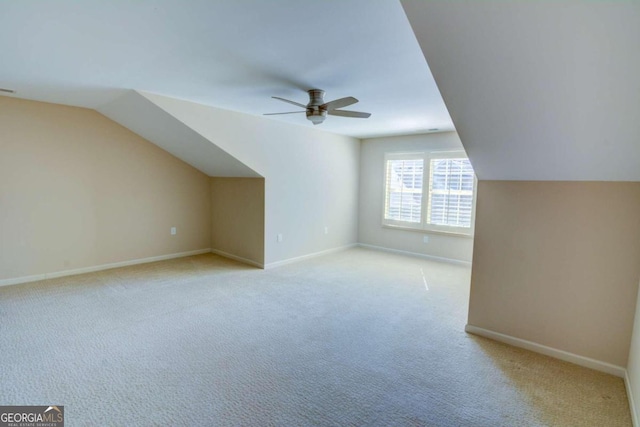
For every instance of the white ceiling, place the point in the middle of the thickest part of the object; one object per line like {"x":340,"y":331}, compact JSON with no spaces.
{"x":539,"y":90}
{"x":232,"y":54}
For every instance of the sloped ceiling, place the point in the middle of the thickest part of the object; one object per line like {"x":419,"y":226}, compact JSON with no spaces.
{"x":538,"y":90}
{"x":230,"y":54}
{"x":138,"y":114}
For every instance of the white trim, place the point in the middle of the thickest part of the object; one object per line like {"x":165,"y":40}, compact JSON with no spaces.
{"x":416,"y":254}
{"x":25,"y":279}
{"x":587,"y":362}
{"x":425,"y":231}
{"x":632,"y":402}
{"x":237,"y":258}
{"x":311,"y":255}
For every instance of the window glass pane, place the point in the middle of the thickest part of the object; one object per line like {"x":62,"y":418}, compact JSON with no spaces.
{"x":404,"y":190}
{"x":450,"y":192}
{"x":439,"y":174}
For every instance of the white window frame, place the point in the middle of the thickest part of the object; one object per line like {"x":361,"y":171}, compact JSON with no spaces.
{"x":423,"y":225}
{"x":393,"y":222}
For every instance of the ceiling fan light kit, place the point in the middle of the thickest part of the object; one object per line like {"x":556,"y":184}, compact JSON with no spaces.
{"x":317,"y":110}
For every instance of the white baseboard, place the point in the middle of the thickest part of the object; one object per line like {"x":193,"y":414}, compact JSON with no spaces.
{"x":587,"y":362}
{"x":416,"y":254}
{"x":237,"y":258}
{"x":312,"y":255}
{"x":632,"y":404}
{"x":25,"y":279}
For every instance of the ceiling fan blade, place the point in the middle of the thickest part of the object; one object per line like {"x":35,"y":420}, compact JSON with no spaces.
{"x":339,"y":103}
{"x":290,"y":102}
{"x":288,"y":112}
{"x":346,"y":113}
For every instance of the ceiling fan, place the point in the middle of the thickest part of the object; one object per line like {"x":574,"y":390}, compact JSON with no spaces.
{"x":317,"y":109}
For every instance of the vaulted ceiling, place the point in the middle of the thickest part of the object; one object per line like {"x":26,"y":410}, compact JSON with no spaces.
{"x":231,"y":54}
{"x":538,"y":90}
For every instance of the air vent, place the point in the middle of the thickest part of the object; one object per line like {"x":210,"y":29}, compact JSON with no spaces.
{"x":433,"y":129}
{"x":7,"y":90}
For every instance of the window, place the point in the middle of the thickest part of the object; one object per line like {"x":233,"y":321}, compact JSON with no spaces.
{"x":429,"y":191}
{"x":404,"y":189}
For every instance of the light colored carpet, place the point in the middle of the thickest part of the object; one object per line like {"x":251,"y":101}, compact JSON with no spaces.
{"x":354,"y":338}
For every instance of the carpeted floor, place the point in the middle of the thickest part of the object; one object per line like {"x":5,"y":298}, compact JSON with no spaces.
{"x":356,"y":338}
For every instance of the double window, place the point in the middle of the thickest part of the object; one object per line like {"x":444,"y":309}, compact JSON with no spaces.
{"x":429,"y":191}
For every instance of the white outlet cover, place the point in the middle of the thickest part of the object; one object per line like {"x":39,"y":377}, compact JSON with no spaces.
{"x":173,"y":231}
{"x":280,"y":238}
{"x":425,"y":239}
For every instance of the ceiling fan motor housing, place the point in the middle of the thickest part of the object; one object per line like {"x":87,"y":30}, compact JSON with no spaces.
{"x":314,"y":112}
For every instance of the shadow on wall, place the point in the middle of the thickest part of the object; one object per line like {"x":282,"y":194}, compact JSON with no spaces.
{"x":237,"y":215}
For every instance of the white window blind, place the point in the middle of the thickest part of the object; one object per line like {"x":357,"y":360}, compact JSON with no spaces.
{"x":404,"y":181}
{"x":450,"y":192}
{"x":429,"y":191}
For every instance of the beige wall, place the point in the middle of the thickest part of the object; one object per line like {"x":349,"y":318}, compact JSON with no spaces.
{"x":78,"y":190}
{"x":370,"y":229}
{"x":556,"y":263}
{"x":238,"y":217}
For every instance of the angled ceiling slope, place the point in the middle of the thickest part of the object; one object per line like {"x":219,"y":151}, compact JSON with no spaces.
{"x":226,"y":54}
{"x":538,"y":90}
{"x":138,"y":114}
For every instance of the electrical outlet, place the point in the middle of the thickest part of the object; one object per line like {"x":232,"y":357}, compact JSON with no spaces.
{"x":326,"y":229}
{"x":173,"y":231}
{"x":280,"y":238}
{"x":425,"y":239}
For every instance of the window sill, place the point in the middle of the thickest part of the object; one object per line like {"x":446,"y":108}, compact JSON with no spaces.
{"x":429,"y":231}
